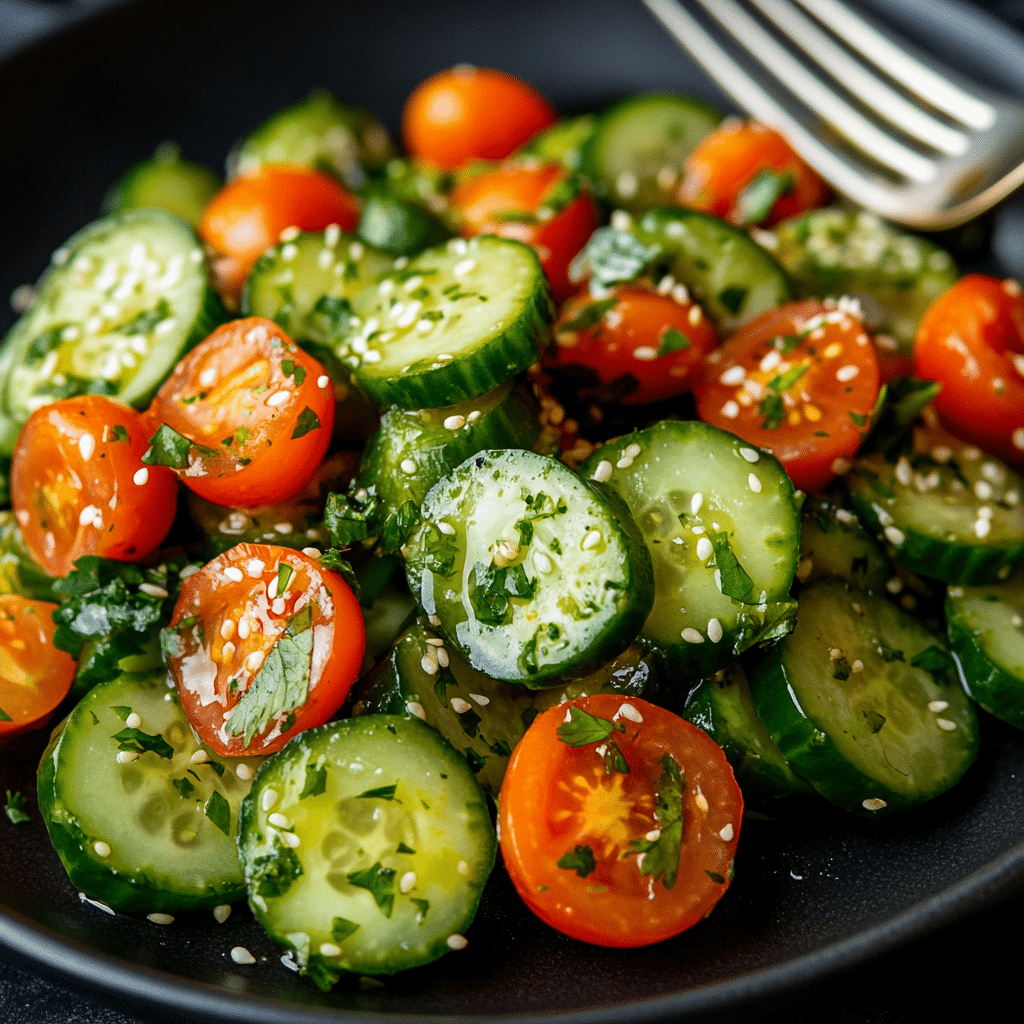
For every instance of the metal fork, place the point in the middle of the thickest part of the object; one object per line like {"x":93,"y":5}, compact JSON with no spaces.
{"x":885,"y":128}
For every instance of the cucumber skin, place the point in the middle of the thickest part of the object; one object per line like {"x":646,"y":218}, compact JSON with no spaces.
{"x":991,"y":687}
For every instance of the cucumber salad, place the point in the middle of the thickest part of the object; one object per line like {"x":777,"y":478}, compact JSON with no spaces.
{"x":550,"y":491}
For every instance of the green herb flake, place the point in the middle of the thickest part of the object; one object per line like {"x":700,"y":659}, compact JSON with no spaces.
{"x":613,"y":760}
{"x":402,"y":848}
{"x":342,"y":928}
{"x":580,"y":859}
{"x":773,"y":411}
{"x":274,"y":872}
{"x":590,"y":314}
{"x":784,"y":381}
{"x":733,"y":297}
{"x":379,"y":882}
{"x":167,"y":448}
{"x":661,"y":855}
{"x":583,"y":729}
{"x":139,"y":742}
{"x":284,"y":575}
{"x":755,"y":201}
{"x":875,"y":720}
{"x":316,"y":781}
{"x":144,"y":322}
{"x":4,"y":717}
{"x":935,"y":661}
{"x":715,"y":877}
{"x":184,"y":787}
{"x":422,"y":906}
{"x":118,"y":433}
{"x":672,"y":340}
{"x":290,"y":368}
{"x":380,"y":793}
{"x":218,"y":810}
{"x":840,"y":668}
{"x":307,"y":421}
{"x":735,"y":581}
{"x":889,"y":654}
{"x":15,"y":809}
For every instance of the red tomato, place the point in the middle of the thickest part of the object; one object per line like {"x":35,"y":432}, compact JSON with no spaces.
{"x":246,"y":217}
{"x":34,"y":676}
{"x":641,"y":344}
{"x":520,"y":200}
{"x":468,"y":113}
{"x":971,"y":340}
{"x":748,"y":174}
{"x":264,"y":643}
{"x":257,"y":409}
{"x":801,"y":380}
{"x":79,"y":486}
{"x":575,"y":820}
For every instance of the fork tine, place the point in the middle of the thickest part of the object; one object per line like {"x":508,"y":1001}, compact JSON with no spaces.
{"x":845,"y":120}
{"x":876,"y":94}
{"x":913,"y":74}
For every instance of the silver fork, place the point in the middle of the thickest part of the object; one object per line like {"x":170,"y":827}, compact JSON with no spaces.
{"x":885,"y":128}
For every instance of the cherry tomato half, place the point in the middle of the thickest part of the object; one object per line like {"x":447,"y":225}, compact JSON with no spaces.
{"x":801,"y":380}
{"x":248,"y":214}
{"x":641,"y":344}
{"x":257,"y":409}
{"x":971,"y":340}
{"x":469,"y":113}
{"x":748,"y":174}
{"x":264,"y":642}
{"x":34,"y":676}
{"x":532,"y":202}
{"x":619,"y":820}
{"x":79,"y":486}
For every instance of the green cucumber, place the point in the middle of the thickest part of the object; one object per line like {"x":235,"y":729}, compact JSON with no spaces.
{"x":635,"y":155}
{"x":836,"y":251}
{"x":944,"y":508}
{"x":727,"y":272}
{"x":865,"y":702}
{"x":452,"y":323}
{"x":986,"y":631}
{"x":142,"y":815}
{"x":563,"y":142}
{"x":722,"y":524}
{"x":833,"y":543}
{"x":482,"y":718}
{"x":166,"y":182}
{"x":366,"y":844}
{"x":534,"y":574}
{"x":319,"y":132}
{"x":125,"y":298}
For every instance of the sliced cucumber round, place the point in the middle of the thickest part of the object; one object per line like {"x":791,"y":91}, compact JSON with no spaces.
{"x":986,"y":630}
{"x":833,"y":543}
{"x":142,"y":815}
{"x":533,"y":573}
{"x":635,"y":155}
{"x":944,"y":508}
{"x":563,"y":142}
{"x":125,"y":298}
{"x":366,"y":844}
{"x":865,"y":703}
{"x":450,"y":324}
{"x":722,"y":524}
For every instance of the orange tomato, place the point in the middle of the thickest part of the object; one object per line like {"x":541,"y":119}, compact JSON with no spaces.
{"x":539,"y":204}
{"x":257,"y":409}
{"x":619,"y":820}
{"x":748,"y":174}
{"x":801,"y":380}
{"x":469,"y":113}
{"x":34,"y":676}
{"x":971,"y":340}
{"x":264,"y":642}
{"x":79,"y":486}
{"x":246,"y":217}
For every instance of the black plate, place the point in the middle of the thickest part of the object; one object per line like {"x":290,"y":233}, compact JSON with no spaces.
{"x":812,"y":895}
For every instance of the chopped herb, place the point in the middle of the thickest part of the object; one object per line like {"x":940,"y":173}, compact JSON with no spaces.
{"x":43,"y":344}
{"x":580,"y":859}
{"x":316,"y":781}
{"x":138,"y":741}
{"x":475,"y":760}
{"x":144,"y":322}
{"x":785,"y":343}
{"x":15,"y":809}
{"x":589,"y":314}
{"x":732,"y":298}
{"x":380,"y":793}
{"x":841,"y":669}
{"x":273,"y":873}
{"x":422,"y":906}
{"x":169,"y":448}
{"x":398,"y":527}
{"x":379,"y":882}
{"x":755,"y":201}
{"x":118,"y":433}
{"x":290,"y":368}
{"x":493,"y":587}
{"x":773,"y":411}
{"x":218,"y":810}
{"x":613,"y":255}
{"x":284,"y":575}
{"x":875,"y":720}
{"x":342,"y":928}
{"x":402,"y":848}
{"x":889,"y":654}
{"x":184,"y":787}
{"x":560,"y":194}
{"x":121,"y":711}
{"x":4,"y":717}
{"x":936,"y":662}
{"x":661,"y":855}
{"x":346,"y":520}
{"x":735,"y":581}
{"x":307,"y":421}
{"x":614,"y":761}
{"x":336,"y":316}
{"x":715,"y":877}
{"x":672,"y":340}
{"x":859,"y":419}
{"x":215,"y":766}
{"x":784,"y":381}
{"x":583,"y":728}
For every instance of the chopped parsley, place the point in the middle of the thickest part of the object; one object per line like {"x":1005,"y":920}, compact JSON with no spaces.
{"x":661,"y":855}
{"x":672,"y":340}
{"x":306,"y":422}
{"x":580,"y":859}
{"x":583,"y":728}
{"x":379,"y":882}
{"x":15,"y":809}
{"x":218,"y":810}
{"x":139,"y":742}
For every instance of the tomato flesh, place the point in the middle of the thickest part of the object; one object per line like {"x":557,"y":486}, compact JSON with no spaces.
{"x":643,"y":347}
{"x":34,"y":676}
{"x":971,"y":340}
{"x":79,"y":486}
{"x":801,"y":380}
{"x":263,"y":643}
{"x":258,"y":410}
{"x":563,"y":803}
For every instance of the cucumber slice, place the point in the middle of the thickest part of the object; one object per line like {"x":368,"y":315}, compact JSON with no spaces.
{"x":366,"y":844}
{"x":723,"y":708}
{"x":415,"y":448}
{"x":481,"y":717}
{"x":397,"y":226}
{"x":125,"y":298}
{"x":166,"y":182}
{"x":986,"y":630}
{"x":318,"y":132}
{"x":533,"y":574}
{"x":945,"y":509}
{"x":691,"y":487}
{"x":155,"y":832}
{"x":730,"y":275}
{"x":865,"y":703}
{"x":833,"y":543}
{"x":563,"y":142}
{"x":836,"y":251}
{"x":635,"y":156}
{"x":453,"y":323}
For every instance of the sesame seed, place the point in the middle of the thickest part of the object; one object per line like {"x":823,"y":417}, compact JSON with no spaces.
{"x":645,"y":353}
{"x":714,"y":630}
{"x":329,"y":949}
{"x":701,"y":801}
{"x":278,"y":398}
{"x":734,"y":375}
{"x":407,"y":881}
{"x":983,"y":489}
{"x":323,"y":380}
{"x":408,"y":466}
{"x":463,"y":267}
{"x":945,"y":724}
{"x":291,"y":840}
{"x":624,"y":463}
{"x":133,"y":721}
{"x":832,"y":350}
{"x":457,"y":942}
{"x":244,"y":772}
{"x":750,"y":454}
{"x":90,"y":515}
{"x":542,"y":563}
{"x":938,"y":705}
{"x":754,"y":483}
{"x":841,"y":466}
{"x":454,"y":422}
{"x":621,"y":220}
{"x":873,"y":804}
{"x":241,"y":955}
{"x":429,"y":665}
{"x":86,"y":446}
{"x":460,"y":706}
{"x":480,"y":699}
{"x":127,"y":756}
{"x":603,"y":472}
{"x":591,"y":540}
{"x":857,"y":666}
{"x":199,"y":756}
{"x":730,"y":410}
{"x":630,"y":713}
{"x":101,"y":848}
{"x":447,"y":529}
{"x":417,"y":709}
{"x":626,"y":184}
{"x":221,"y":912}
{"x":846,"y":516}
{"x":727,"y":833}
{"x":164,"y":919}
{"x":982,"y":527}
{"x":692,"y":636}
{"x":771,"y":360}
{"x":233,"y":573}
{"x":894,"y":535}
{"x":704,"y":549}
